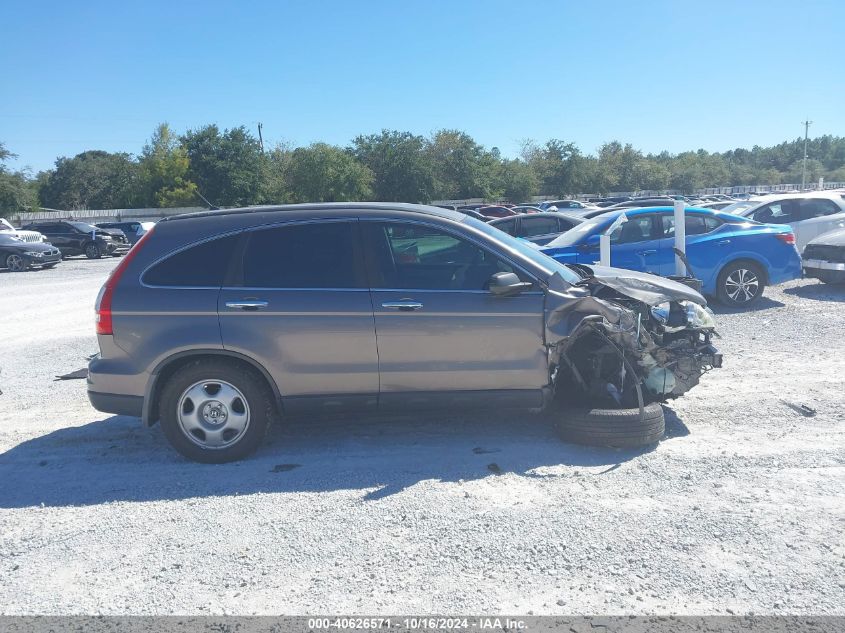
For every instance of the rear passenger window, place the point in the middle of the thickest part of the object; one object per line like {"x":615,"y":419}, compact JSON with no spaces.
{"x":200,"y":266}
{"x":319,"y":255}
{"x":538,"y":226}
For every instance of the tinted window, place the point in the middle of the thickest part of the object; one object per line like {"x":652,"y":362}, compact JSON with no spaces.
{"x":203,"y":265}
{"x":637,"y":229}
{"x":538,"y":226}
{"x":508,"y":226}
{"x":319,"y":255}
{"x":780,"y":212}
{"x":696,"y":224}
{"x":816,"y":208}
{"x":412,"y":256}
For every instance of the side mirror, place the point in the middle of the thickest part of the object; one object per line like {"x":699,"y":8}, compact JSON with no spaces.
{"x":507,"y":285}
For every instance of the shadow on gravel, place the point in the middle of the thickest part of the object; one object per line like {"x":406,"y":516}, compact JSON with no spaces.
{"x":763,"y":303}
{"x":819,"y":291}
{"x":675,"y":427}
{"x":116,"y":460}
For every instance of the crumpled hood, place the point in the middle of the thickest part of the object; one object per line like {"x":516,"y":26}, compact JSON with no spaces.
{"x":650,"y":289}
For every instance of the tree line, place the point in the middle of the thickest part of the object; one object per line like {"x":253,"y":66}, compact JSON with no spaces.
{"x":230,"y":168}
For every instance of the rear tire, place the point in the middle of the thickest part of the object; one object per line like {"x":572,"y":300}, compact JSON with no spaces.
{"x":617,"y":428}
{"x":216,"y":411}
{"x":740,"y":284}
{"x":92,"y":251}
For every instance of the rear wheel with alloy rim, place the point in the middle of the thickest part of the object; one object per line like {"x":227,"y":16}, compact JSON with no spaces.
{"x":16,"y":263}
{"x":216,"y":411}
{"x":740,"y":284}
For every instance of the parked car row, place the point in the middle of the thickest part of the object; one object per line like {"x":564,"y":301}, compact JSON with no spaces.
{"x":44,"y":244}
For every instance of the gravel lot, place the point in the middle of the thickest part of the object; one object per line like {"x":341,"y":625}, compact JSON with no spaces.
{"x":741,"y":509}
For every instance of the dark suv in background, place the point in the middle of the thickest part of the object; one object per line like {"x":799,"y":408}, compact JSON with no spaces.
{"x":81,"y":238}
{"x":217,"y":323}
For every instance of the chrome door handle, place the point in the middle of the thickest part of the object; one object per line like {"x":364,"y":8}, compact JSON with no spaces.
{"x":405,"y":305}
{"x":646,"y":252}
{"x":723,"y":242}
{"x":247,"y":304}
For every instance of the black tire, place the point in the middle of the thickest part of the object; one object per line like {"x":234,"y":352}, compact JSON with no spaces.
{"x":737,"y":281}
{"x":92,"y":251}
{"x":260,"y":408}
{"x":16,"y":263}
{"x":617,"y":428}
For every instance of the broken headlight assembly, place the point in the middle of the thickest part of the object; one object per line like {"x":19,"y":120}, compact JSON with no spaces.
{"x":678,"y":315}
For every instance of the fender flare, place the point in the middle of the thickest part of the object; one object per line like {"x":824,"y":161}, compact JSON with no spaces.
{"x":152,"y":388}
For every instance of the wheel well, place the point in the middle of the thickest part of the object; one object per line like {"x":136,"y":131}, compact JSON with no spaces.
{"x":747,"y":260}
{"x":171,"y":366}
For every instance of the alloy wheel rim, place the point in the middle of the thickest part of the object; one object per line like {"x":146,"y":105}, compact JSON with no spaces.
{"x":742,"y":285}
{"x":213,"y":414}
{"x":15,"y":263}
{"x":91,"y":251}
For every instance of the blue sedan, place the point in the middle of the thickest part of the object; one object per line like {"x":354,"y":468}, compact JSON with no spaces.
{"x":735,"y":258}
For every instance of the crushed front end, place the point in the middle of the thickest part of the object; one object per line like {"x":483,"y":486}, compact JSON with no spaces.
{"x":625,"y":338}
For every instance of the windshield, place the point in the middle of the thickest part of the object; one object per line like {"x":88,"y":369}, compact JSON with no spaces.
{"x":575,"y":235}
{"x":526,"y":250}
{"x":83,"y":226}
{"x":738,"y":207}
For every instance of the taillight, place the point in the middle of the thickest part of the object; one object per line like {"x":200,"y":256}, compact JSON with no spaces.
{"x":786,"y":238}
{"x":104,"y":300}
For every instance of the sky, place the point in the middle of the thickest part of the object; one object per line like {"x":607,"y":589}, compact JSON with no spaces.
{"x":663,"y":75}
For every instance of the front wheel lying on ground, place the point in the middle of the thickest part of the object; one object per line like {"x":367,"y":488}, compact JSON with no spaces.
{"x":617,"y":428}
{"x":215,"y":411}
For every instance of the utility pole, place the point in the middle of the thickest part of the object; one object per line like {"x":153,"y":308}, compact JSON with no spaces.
{"x":807,"y":125}
{"x":261,"y":138}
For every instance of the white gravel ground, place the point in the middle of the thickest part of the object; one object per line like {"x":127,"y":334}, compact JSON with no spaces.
{"x":739,"y":510}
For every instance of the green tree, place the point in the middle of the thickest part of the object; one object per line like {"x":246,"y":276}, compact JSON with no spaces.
{"x":164,"y":169}
{"x":92,"y":180}
{"x":226,"y":167}
{"x":16,"y":192}
{"x":516,"y":180}
{"x":400,"y":165}
{"x":323,"y":173}
{"x":461,"y":167}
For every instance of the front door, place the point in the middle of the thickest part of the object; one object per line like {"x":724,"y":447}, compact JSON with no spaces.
{"x":299,"y":304}
{"x":635,"y":244}
{"x":439,"y":329}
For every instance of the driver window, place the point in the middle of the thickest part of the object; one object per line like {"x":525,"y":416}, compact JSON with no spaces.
{"x":638,"y":229}
{"x":413,"y":256}
{"x":777,"y":212}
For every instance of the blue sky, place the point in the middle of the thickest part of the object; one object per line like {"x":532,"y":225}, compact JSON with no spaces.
{"x":670,"y":75}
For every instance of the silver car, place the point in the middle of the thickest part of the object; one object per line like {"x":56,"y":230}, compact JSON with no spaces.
{"x":218,"y":323}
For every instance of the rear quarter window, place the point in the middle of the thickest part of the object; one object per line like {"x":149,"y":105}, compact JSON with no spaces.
{"x":201,"y":266}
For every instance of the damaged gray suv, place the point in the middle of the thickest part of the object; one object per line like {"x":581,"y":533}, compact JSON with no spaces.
{"x":218,"y":323}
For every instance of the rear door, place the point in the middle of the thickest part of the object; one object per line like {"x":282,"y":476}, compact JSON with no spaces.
{"x":298,"y":303}
{"x":439,"y":328}
{"x":815,"y":216}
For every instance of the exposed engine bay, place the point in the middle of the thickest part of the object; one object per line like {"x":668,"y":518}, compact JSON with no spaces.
{"x":623,"y":338}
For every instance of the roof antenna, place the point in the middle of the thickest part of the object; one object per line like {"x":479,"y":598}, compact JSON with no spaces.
{"x":211,"y":207}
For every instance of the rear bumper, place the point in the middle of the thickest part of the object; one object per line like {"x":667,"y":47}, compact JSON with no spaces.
{"x":117,"y":403}
{"x":820,"y":264}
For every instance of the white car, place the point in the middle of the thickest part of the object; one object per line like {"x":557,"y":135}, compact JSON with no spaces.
{"x":27,"y":236}
{"x":809,"y":214}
